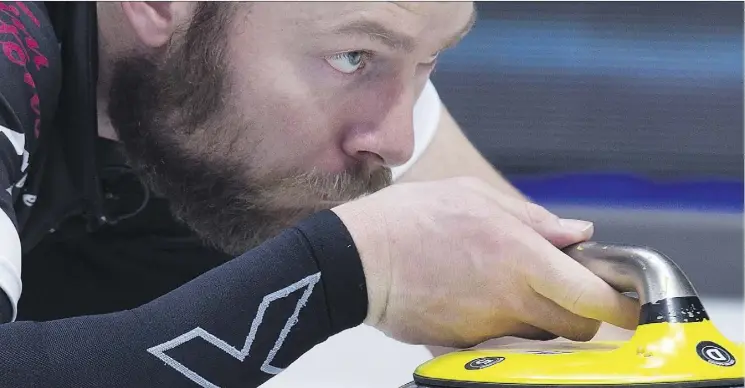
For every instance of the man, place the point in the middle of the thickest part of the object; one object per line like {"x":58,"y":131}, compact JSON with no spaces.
{"x":201,"y":192}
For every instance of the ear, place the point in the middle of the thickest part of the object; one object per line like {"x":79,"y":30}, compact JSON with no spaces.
{"x":155,"y":22}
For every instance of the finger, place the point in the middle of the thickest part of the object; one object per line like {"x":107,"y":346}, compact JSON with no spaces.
{"x":518,"y":329}
{"x":549,"y":316}
{"x":575,"y":288}
{"x":530,"y":332}
{"x":560,"y":232}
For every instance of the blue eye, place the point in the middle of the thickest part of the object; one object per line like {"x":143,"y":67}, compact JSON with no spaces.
{"x":347,"y":62}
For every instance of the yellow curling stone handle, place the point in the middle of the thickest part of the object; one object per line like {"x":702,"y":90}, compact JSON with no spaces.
{"x":675,"y":343}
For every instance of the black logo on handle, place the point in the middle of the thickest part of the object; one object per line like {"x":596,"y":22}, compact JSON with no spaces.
{"x":714,"y":354}
{"x":483,"y":362}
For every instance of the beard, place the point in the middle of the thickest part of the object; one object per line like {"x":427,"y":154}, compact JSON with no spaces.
{"x":170,"y":115}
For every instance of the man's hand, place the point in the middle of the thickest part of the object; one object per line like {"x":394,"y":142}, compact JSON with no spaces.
{"x":456,"y":262}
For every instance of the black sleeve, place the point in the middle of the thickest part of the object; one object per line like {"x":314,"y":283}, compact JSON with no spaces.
{"x":235,"y":326}
{"x":29,"y":85}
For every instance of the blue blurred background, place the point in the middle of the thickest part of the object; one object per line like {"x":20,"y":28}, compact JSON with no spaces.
{"x":626,"y":113}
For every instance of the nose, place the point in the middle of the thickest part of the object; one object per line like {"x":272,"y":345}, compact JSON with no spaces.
{"x":388,"y":138}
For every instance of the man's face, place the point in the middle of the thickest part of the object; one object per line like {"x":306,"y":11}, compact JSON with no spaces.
{"x":257,"y":116}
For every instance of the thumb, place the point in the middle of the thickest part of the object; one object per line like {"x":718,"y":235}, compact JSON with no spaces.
{"x":560,"y":232}
{"x":575,"y":288}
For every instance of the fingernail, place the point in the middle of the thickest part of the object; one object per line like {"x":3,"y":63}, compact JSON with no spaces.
{"x":577,"y":225}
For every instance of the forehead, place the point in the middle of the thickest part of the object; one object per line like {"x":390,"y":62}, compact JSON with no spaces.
{"x":411,"y":18}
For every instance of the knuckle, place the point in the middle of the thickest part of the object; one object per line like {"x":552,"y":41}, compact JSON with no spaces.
{"x":537,"y":214}
{"x":585,"y":330}
{"x":574,"y":297}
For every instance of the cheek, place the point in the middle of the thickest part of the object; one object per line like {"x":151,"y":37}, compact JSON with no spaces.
{"x":285,"y":122}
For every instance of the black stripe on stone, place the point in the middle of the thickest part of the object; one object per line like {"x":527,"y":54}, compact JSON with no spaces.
{"x":673,"y":310}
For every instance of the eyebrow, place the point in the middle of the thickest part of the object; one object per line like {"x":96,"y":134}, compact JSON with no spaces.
{"x":378,"y":32}
{"x":395,"y":40}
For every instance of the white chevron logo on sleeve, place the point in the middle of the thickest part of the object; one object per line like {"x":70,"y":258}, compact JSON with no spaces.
{"x":159,"y":350}
{"x":18,"y":139}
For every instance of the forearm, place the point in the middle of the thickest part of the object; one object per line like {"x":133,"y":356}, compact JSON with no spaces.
{"x":255,"y":315}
